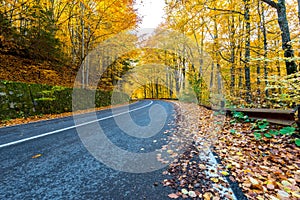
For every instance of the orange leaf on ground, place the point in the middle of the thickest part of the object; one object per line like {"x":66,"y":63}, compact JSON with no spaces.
{"x":36,"y":156}
{"x":173,"y":196}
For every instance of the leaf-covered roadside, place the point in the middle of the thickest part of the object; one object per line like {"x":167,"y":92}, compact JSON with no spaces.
{"x":37,"y":118}
{"x":191,"y":173}
{"x":268,"y":168}
{"x":264,"y":169}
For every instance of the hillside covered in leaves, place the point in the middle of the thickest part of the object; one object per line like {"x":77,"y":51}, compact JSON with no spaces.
{"x":46,"y":41}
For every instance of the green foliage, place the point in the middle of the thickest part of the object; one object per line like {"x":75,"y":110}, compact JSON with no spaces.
{"x":287,"y":130}
{"x":261,"y":129}
{"x":297,"y":142}
{"x":274,"y":132}
{"x":233,"y":131}
{"x":239,"y":117}
{"x":262,"y":125}
{"x":257,"y":136}
{"x":267,"y":135}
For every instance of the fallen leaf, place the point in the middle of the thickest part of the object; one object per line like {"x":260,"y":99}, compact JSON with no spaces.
{"x":286,"y":183}
{"x":270,"y":186}
{"x":173,"y":196}
{"x":207,"y":195}
{"x":202,"y":166}
{"x":170,"y":151}
{"x":260,"y":198}
{"x":184,"y":191}
{"x":36,"y":156}
{"x":282,"y":194}
{"x":228,"y":166}
{"x":253,"y":181}
{"x":224,"y":173}
{"x":296,"y":194}
{"x":214,"y":179}
{"x":185,"y":196}
{"x":192,"y":194}
{"x":273,"y":198}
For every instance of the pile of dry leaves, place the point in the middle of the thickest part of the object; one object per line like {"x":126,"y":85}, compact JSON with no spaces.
{"x":193,"y":172}
{"x":264,"y":169}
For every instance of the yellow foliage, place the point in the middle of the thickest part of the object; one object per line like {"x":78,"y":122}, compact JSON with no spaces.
{"x":219,"y":29}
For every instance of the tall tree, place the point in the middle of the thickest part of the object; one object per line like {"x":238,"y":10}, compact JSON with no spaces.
{"x":247,"y":51}
{"x":298,"y":2}
{"x":280,"y":7}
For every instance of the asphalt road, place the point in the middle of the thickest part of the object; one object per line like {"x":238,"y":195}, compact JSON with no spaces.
{"x":65,"y":169}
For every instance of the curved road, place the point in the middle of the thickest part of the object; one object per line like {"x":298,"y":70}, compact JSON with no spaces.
{"x":47,"y":159}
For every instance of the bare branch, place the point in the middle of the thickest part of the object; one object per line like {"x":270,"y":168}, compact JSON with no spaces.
{"x":224,"y":57}
{"x":271,"y":3}
{"x":227,"y":11}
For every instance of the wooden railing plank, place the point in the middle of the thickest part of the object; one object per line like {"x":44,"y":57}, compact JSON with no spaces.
{"x":282,"y":117}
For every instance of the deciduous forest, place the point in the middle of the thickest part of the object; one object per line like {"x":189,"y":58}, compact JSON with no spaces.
{"x":206,"y":54}
{"x":46,"y":41}
{"x":252,"y":46}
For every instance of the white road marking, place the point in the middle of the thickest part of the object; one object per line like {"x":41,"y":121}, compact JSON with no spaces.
{"x":71,"y":127}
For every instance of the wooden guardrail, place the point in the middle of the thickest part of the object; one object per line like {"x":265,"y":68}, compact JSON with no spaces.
{"x":281,"y":117}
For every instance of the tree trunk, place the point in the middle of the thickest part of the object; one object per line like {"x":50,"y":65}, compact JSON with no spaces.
{"x":232,"y":56}
{"x":211,"y":85}
{"x":247,"y":52}
{"x":82,"y":46}
{"x":177,"y":75}
{"x":219,"y":78}
{"x":240,"y":71}
{"x":284,"y":27}
{"x":258,"y":68}
{"x":145,"y":91}
{"x":218,"y":72}
{"x":170,"y":85}
{"x":87,"y":68}
{"x":290,"y":64}
{"x":298,"y":1}
{"x":157,"y":88}
{"x":264,"y":30}
{"x":240,"y":55}
{"x":183,"y":74}
{"x":21,"y":20}
{"x":278,"y":66}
